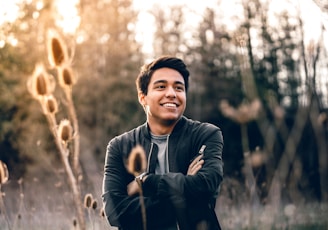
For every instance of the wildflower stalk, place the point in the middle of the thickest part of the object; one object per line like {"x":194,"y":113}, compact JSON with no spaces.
{"x":4,"y":176}
{"x":142,"y":204}
{"x":136,"y":165}
{"x":90,"y":203}
{"x":73,"y":182}
{"x":73,"y":117}
{"x":41,"y":85}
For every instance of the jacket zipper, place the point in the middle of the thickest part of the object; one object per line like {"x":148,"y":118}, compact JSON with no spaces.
{"x":149,"y":155}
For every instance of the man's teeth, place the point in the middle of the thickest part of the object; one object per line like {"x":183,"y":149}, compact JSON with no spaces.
{"x":169,"y":105}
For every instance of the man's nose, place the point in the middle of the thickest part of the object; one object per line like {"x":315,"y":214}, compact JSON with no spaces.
{"x":170,"y":92}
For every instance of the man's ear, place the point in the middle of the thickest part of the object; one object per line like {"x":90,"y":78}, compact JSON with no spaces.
{"x":141,"y":98}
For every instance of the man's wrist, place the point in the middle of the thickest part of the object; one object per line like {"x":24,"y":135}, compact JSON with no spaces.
{"x":141,"y":177}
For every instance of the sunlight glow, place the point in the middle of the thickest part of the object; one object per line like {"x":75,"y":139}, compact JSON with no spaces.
{"x":229,"y":13}
{"x":68,"y":15}
{"x":8,"y":10}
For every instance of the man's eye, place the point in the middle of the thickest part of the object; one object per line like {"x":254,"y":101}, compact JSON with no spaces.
{"x":160,"y":87}
{"x":179,"y":88}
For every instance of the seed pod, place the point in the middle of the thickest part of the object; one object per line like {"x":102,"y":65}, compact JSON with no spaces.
{"x":57,"y":49}
{"x":74,"y":222}
{"x":88,"y":200}
{"x":65,"y":130}
{"x":102,"y":212}
{"x":137,"y":162}
{"x":66,"y":76}
{"x":4,"y":174}
{"x":40,"y":83}
{"x":50,"y":105}
{"x":94,"y":205}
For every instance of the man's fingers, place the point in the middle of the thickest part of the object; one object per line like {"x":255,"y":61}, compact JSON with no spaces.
{"x":132,"y":188}
{"x":195,"y":166}
{"x":196,"y":160}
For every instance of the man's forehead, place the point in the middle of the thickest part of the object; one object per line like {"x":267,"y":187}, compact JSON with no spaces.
{"x":167,"y":75}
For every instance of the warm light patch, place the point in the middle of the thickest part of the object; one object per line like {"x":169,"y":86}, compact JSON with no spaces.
{"x":68,"y":15}
{"x":9,"y":11}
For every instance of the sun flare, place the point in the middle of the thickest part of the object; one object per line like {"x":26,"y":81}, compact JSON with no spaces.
{"x":68,"y":15}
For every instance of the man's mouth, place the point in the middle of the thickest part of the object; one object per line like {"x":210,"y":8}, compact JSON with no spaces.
{"x":169,"y":105}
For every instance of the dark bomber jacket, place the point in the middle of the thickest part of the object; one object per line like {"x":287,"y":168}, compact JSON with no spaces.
{"x":172,"y":198}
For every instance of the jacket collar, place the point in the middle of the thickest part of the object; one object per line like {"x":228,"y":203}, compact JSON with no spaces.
{"x":146,"y":130}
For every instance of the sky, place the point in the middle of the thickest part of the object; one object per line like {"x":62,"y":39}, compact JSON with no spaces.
{"x":69,"y":19}
{"x":230,"y":9}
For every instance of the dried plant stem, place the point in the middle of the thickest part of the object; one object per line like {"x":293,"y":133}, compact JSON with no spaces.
{"x":3,"y":209}
{"x":287,"y":158}
{"x":142,"y":204}
{"x":64,"y":152}
{"x":73,"y":183}
{"x":73,"y":116}
{"x":247,"y":77}
{"x":21,"y":205}
{"x":323,"y":149}
{"x":249,"y":175}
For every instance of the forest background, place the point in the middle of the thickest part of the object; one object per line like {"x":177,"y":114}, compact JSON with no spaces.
{"x":262,"y":82}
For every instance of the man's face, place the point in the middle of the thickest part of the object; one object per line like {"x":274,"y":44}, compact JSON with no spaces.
{"x":165,"y":101}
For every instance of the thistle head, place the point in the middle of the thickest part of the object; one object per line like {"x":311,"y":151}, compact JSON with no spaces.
{"x":102,"y":212}
{"x":57,"y":49}
{"x":66,"y":77}
{"x":137,"y":162}
{"x":246,"y":112}
{"x":4,"y":174}
{"x":49,"y":105}
{"x":88,"y":200}
{"x":40,"y":82}
{"x":65,"y":130}
{"x":94,"y":205}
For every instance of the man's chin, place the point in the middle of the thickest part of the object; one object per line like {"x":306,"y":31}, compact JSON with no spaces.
{"x":169,"y":120}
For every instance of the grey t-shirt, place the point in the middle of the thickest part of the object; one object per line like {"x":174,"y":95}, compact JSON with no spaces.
{"x":162,"y":165}
{"x":162,"y":159}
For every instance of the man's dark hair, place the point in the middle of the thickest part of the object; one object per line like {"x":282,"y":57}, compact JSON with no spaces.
{"x":147,"y":71}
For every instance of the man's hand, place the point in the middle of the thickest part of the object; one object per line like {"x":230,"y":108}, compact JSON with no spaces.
{"x":133,"y":188}
{"x":195,"y":165}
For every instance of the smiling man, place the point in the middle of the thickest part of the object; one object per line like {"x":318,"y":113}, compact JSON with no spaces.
{"x":184,"y":168}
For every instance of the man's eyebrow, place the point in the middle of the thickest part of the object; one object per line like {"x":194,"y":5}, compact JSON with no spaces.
{"x":179,"y":82}
{"x":165,"y":81}
{"x":160,"y":81}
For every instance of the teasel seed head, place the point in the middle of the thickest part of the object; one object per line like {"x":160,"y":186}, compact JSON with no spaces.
{"x":4,"y":174}
{"x":74,"y":222}
{"x":57,"y":49}
{"x":94,"y":205}
{"x":66,"y":76}
{"x":88,"y":200}
{"x":246,"y":112}
{"x":50,"y":105}
{"x":137,"y":162}
{"x":102,"y":212}
{"x":65,"y":130}
{"x":40,"y":83}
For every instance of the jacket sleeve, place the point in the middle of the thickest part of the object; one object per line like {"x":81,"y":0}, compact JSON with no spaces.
{"x":203,"y":186}
{"x":193,"y":196}
{"x":207,"y":180}
{"x":120,"y":209}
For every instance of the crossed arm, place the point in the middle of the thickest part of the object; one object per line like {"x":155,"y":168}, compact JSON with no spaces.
{"x":193,"y":168}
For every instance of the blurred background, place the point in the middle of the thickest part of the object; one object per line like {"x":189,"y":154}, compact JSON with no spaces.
{"x":259,"y":71}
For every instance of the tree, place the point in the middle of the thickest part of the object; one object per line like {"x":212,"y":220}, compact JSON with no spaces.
{"x":107,"y":62}
{"x":23,"y":46}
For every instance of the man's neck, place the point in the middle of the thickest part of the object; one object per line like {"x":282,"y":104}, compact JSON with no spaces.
{"x":161,"y":129}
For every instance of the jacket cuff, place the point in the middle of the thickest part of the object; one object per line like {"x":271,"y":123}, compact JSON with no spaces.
{"x":150,"y":185}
